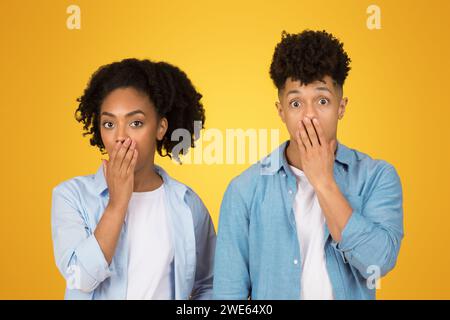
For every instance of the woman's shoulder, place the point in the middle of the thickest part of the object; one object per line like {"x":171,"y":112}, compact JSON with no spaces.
{"x":183,"y":192}
{"x":75,"y":186}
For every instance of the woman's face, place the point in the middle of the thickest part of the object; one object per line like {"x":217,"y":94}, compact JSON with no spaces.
{"x":126,"y":112}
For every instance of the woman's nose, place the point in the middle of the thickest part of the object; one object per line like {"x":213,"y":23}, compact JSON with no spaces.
{"x":121,"y":136}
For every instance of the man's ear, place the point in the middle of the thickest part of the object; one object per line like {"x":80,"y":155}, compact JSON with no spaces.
{"x":280,"y":111}
{"x":162,"y":128}
{"x":342,"y":106}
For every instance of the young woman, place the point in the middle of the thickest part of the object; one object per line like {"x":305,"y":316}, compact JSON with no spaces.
{"x":130,"y":231}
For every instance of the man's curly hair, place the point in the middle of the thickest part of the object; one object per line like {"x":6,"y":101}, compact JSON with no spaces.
{"x":307,"y":57}
{"x":169,"y":88}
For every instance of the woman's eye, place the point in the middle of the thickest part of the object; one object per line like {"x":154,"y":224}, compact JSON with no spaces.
{"x":108,"y":125}
{"x":136,"y":123}
{"x":295,"y":104}
{"x":323,"y":101}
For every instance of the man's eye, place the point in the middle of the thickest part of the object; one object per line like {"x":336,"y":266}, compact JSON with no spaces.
{"x":323,"y":101}
{"x":295,"y":104}
{"x":108,"y":125}
{"x":136,"y":123}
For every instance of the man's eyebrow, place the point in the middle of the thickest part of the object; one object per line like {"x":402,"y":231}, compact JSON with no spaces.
{"x":293,"y":91}
{"x":323,"y":89}
{"x":129,"y":114}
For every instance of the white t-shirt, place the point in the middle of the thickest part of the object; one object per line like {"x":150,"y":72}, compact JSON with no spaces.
{"x":151,"y":252}
{"x":310,"y":222}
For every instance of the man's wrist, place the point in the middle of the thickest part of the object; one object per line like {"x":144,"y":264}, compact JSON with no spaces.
{"x":326,"y":187}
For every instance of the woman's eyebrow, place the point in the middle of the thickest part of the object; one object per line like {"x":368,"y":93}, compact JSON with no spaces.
{"x":104,"y":113}
{"x":132,"y":113}
{"x":129,"y":114}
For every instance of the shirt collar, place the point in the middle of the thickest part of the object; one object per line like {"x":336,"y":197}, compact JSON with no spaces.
{"x":277,"y":159}
{"x":344,"y":155}
{"x":99,"y":181}
{"x":101,"y":186}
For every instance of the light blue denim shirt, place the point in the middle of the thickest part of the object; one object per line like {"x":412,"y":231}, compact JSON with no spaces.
{"x":257,"y":252}
{"x":77,"y":206}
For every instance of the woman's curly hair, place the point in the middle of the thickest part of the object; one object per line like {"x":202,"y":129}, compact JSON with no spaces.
{"x":307,"y":57}
{"x":169,"y":88}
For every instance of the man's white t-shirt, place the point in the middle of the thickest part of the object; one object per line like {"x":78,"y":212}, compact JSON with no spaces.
{"x":151,"y":252}
{"x":310,"y":222}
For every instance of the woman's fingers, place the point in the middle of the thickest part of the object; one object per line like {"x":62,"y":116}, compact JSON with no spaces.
{"x":105,"y":163}
{"x":113,"y":154}
{"x":133,"y":161}
{"x":123,"y":161}
{"x":121,"y":154}
{"x":127,"y":158}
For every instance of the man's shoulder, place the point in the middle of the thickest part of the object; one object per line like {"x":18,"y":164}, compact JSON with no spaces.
{"x":373,"y":172}
{"x":368,"y":163}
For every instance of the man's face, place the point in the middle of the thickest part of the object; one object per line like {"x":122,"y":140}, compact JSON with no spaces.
{"x":321,"y":99}
{"x":124,"y":113}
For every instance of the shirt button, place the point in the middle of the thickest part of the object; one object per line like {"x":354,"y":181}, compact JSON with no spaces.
{"x":290,"y":191}
{"x":295,"y":261}
{"x":283,"y":174}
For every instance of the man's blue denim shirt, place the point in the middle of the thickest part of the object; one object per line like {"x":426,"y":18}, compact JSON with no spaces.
{"x":257,"y":252}
{"x":77,"y":206}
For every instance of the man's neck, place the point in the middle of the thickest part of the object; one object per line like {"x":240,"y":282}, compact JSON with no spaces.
{"x":293,"y":155}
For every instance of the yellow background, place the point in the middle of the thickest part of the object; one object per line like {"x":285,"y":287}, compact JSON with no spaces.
{"x":398,"y":109}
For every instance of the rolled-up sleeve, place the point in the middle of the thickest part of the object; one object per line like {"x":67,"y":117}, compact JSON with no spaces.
{"x":373,"y":234}
{"x":78,"y":255}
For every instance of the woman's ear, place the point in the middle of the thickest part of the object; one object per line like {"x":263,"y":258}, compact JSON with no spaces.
{"x":342,"y":106}
{"x":162,"y":128}
{"x":280,"y":111}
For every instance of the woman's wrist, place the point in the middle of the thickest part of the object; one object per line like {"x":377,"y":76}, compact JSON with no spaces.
{"x":117,"y":207}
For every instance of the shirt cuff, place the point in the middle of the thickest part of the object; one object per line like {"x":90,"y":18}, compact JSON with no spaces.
{"x":91,"y":257}
{"x":353,"y":232}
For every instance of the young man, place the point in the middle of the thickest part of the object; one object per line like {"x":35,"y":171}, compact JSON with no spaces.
{"x":314,"y":219}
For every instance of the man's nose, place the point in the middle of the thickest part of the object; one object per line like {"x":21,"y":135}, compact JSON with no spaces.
{"x":310,"y":112}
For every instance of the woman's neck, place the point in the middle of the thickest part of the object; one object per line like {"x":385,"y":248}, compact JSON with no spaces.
{"x":146,"y":179}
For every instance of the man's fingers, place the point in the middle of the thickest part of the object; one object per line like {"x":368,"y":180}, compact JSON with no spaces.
{"x":333,"y":145}
{"x":319,"y":131}
{"x":304,"y":135}
{"x":299,"y":141}
{"x":311,"y":132}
